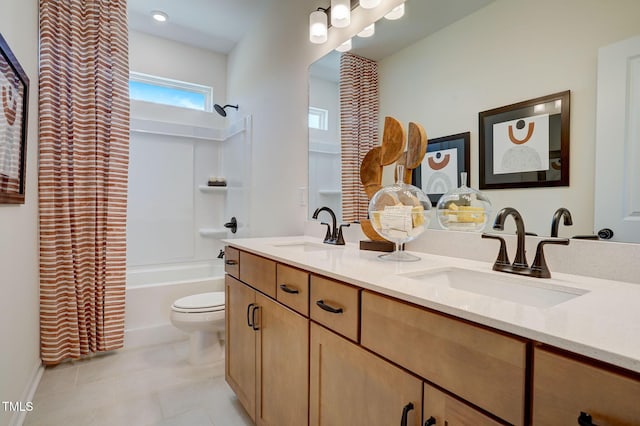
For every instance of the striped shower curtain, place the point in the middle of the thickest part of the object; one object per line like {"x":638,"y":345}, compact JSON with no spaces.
{"x":359,"y":106}
{"x":84,"y":156}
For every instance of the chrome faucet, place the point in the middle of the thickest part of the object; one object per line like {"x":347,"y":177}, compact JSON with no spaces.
{"x":539,"y":269}
{"x":334,"y":233}
{"x":561,"y":213}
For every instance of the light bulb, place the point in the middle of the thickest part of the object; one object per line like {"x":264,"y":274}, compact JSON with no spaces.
{"x":344,"y":47}
{"x":395,"y":13}
{"x":340,"y":13}
{"x":318,"y":27}
{"x":369,"y":4}
{"x":368,"y":31}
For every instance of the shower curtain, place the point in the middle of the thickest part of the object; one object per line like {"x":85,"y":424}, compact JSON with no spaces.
{"x":83,"y":163}
{"x":359,"y":106}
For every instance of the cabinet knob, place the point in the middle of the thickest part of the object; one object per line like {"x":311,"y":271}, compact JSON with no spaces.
{"x":405,"y":414}
{"x":430,"y":421}
{"x":288,"y":289}
{"x":328,"y":308}
{"x":584,"y":419}
{"x":230,"y":262}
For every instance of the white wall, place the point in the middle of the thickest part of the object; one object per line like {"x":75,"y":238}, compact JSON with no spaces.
{"x":170,"y":59}
{"x":511,"y":51}
{"x":267,"y":76}
{"x":19,"y":305}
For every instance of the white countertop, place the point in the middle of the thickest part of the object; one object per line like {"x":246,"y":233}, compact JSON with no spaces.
{"x":603,"y":323}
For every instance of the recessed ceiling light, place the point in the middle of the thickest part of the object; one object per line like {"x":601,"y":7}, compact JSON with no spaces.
{"x":159,"y":16}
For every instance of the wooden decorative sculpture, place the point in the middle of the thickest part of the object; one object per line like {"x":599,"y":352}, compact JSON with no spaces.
{"x":391,"y":151}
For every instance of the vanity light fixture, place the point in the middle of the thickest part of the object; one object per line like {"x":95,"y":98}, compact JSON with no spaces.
{"x":368,"y":31}
{"x":340,"y":13}
{"x":395,"y":13}
{"x":344,"y":47}
{"x":318,"y":32}
{"x":159,"y":16}
{"x":369,"y":4}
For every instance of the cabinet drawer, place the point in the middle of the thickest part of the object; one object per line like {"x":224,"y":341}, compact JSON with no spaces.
{"x":565,"y":387}
{"x":483,"y":367}
{"x":258,"y":272}
{"x":232,"y":261}
{"x":446,"y":410}
{"x":341,"y":298}
{"x":293,"y":288}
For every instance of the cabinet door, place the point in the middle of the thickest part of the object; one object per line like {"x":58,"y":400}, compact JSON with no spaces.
{"x":564,"y":387}
{"x":240,"y":347}
{"x":442,"y":409}
{"x":351,"y":386}
{"x":282,"y":365}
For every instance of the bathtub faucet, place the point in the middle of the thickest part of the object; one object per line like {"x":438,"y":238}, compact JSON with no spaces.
{"x":221,"y":254}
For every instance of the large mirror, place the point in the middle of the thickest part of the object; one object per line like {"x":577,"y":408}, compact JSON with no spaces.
{"x":446,"y":61}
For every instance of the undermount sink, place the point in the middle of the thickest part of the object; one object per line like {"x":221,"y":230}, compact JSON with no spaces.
{"x":525,"y":291}
{"x":305,"y":246}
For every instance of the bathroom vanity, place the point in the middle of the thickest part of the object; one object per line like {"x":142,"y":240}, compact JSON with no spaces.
{"x":325,"y":335}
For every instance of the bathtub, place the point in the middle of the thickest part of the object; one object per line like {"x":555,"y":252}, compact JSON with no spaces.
{"x":152,"y":289}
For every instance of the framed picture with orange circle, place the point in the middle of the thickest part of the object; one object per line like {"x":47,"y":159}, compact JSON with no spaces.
{"x":441,"y":166}
{"x":525,"y":144}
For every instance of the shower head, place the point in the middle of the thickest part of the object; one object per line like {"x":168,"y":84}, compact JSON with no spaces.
{"x":221,"y":109}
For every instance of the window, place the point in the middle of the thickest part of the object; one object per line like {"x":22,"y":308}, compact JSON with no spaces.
{"x":164,"y":91}
{"x":318,"y":118}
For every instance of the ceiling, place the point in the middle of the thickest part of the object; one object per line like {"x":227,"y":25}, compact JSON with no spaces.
{"x":218,"y":25}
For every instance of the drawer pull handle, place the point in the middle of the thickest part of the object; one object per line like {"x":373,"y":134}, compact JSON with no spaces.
{"x":249,"y":314}
{"x":405,"y":414}
{"x":231,"y":262}
{"x":328,"y":308}
{"x":289,"y":289}
{"x":430,"y":421}
{"x":584,"y":419}
{"x":253,"y":318}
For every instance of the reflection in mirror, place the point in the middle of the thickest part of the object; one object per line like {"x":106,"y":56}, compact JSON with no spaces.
{"x":421,"y":19}
{"x":505,"y":52}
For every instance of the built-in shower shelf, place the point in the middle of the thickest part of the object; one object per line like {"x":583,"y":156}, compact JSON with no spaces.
{"x":207,"y":188}
{"x":329,"y":192}
{"x":212,"y":232}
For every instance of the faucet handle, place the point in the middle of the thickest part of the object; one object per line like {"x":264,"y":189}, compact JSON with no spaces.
{"x":340,"y":238}
{"x":327,"y":236}
{"x":539,"y":269}
{"x":503,"y":257}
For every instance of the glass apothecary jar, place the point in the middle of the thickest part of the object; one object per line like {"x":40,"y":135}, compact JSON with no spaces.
{"x":399,"y":213}
{"x":463,"y":208}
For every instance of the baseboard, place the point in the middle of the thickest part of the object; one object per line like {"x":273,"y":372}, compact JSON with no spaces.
{"x":148,"y":336}
{"x":28,"y":393}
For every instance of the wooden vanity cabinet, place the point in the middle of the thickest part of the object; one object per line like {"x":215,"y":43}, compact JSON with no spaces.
{"x":292,"y":288}
{"x":232,"y":261}
{"x":259,"y":273}
{"x":351,"y":386}
{"x":484,"y":367}
{"x":565,"y":387}
{"x":267,"y":356}
{"x":336,"y":306}
{"x":442,"y":409}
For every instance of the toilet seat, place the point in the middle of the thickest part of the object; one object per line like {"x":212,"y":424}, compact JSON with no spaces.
{"x":199,"y":303}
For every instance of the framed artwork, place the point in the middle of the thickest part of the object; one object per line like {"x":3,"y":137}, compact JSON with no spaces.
{"x":440,"y":170}
{"x":525,"y":144}
{"x":14,"y":95}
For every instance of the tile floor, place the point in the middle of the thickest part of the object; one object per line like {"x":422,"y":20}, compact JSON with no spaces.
{"x":147,"y":386}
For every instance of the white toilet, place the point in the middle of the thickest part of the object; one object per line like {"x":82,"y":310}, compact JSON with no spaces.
{"x":202,"y":316}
